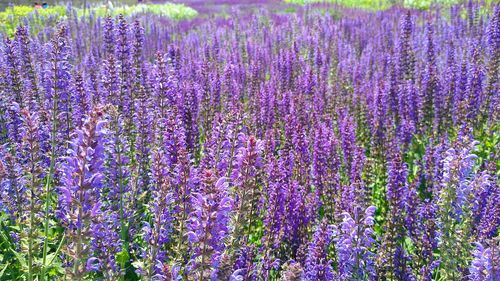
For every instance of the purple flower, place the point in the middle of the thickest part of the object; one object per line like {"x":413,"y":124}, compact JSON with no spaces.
{"x":483,"y":265}
{"x":317,"y":265}
{"x":275,"y":204}
{"x":27,"y":67}
{"x":58,"y":79}
{"x":80,"y":190}
{"x":454,"y":208}
{"x":157,"y":233}
{"x":208,"y":226}
{"x":406,"y":56}
{"x":247,"y":165}
{"x":354,"y":243}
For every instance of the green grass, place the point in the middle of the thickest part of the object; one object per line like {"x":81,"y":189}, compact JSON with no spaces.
{"x":379,"y":4}
{"x":13,"y":16}
{"x":363,"y":4}
{"x":23,"y":11}
{"x":170,"y":10}
{"x":425,"y":4}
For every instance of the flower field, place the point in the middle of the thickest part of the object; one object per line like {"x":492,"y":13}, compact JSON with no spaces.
{"x":262,"y":142}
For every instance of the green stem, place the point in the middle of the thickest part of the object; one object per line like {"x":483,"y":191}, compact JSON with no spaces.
{"x":48,"y":184}
{"x":154,"y":247}
{"x":47,"y":205}
{"x":123,"y":234}
{"x":203,"y":251}
{"x":76,"y":269}
{"x":250,"y":222}
{"x":238,"y":227}
{"x":78,"y":253}
{"x":76,"y":265}
{"x":183,"y":216}
{"x":32,"y":219}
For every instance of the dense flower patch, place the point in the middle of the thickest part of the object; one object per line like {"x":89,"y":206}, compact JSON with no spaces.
{"x":254,"y":146}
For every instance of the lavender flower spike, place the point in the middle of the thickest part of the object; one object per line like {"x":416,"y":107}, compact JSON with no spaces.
{"x":208,"y":226}
{"x":79,"y":201}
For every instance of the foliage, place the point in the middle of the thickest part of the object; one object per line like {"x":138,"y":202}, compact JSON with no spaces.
{"x":17,"y":14}
{"x":169,"y":10}
{"x":382,"y":4}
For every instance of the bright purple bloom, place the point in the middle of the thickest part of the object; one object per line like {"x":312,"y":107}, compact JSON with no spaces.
{"x":79,"y":198}
{"x":317,"y":265}
{"x":354,"y":243}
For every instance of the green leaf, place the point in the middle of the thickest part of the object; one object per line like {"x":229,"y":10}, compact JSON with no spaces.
{"x":3,"y":270}
{"x":138,"y":264}
{"x":54,"y":255}
{"x":20,"y":258}
{"x":123,"y":257}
